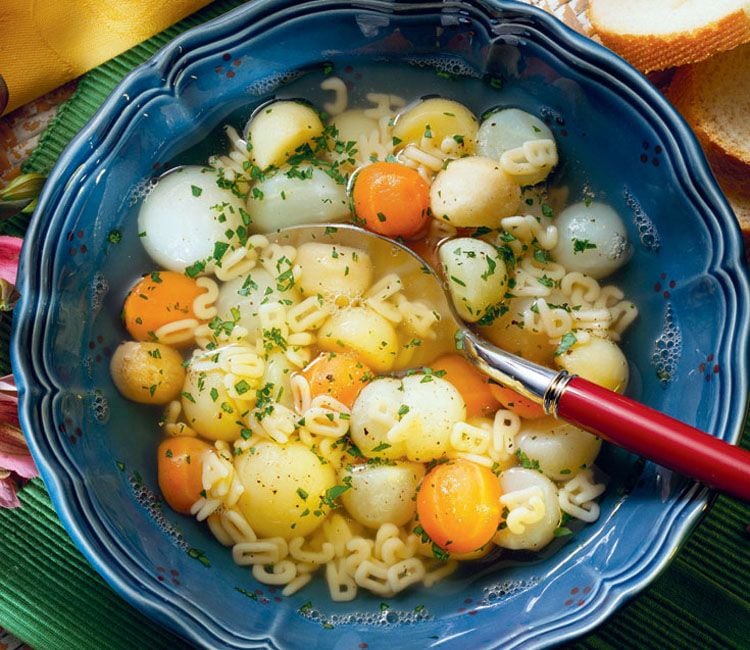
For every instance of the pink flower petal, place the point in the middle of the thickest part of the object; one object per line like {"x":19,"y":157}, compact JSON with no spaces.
{"x":14,"y":453}
{"x":21,"y":464}
{"x":10,"y":249}
{"x":11,"y":434}
{"x":9,"y":411}
{"x":8,"y":496}
{"x":8,"y":385}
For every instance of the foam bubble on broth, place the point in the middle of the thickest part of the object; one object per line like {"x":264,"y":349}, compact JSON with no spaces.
{"x":444,"y":64}
{"x":99,"y":290}
{"x":385,"y":618}
{"x":269,"y":84}
{"x":667,"y":348}
{"x":152,"y":502}
{"x":508,"y":588}
{"x":141,"y":190}
{"x":647,"y":232}
{"x":100,"y":407}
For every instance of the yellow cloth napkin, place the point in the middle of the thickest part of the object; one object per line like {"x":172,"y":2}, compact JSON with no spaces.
{"x":44,"y":43}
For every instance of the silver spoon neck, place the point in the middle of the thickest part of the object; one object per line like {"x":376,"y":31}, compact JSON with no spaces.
{"x":537,"y":383}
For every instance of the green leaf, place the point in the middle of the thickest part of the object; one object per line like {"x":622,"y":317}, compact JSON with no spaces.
{"x":567,"y":341}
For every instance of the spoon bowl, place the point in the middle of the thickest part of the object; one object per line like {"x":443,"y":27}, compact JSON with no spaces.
{"x":614,"y":417}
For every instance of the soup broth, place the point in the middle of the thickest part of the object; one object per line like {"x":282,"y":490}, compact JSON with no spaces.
{"x":318,"y":416}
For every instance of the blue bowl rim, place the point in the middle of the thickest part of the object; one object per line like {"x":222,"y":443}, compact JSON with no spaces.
{"x":27,"y":338}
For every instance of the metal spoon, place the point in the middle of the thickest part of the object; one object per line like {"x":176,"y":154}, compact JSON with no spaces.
{"x":614,"y":417}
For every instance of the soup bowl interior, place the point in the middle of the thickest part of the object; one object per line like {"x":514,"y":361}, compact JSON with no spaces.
{"x":619,"y":143}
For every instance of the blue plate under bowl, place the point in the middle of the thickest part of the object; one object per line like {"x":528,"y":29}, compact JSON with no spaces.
{"x":620,"y":142}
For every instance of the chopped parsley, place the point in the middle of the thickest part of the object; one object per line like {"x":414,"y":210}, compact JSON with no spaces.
{"x":527,"y":462}
{"x":567,"y":341}
{"x":580,"y":245}
{"x":114,"y":237}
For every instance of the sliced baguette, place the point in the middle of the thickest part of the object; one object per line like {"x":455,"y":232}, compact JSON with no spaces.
{"x":740,"y":201}
{"x":659,"y":34}
{"x":714,"y":97}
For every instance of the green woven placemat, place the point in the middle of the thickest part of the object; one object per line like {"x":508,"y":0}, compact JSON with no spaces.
{"x":51,"y":598}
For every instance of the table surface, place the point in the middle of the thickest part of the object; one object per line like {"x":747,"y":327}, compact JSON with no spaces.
{"x":702,"y":599}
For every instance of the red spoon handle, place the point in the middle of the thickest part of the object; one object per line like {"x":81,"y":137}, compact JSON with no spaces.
{"x":663,"y":439}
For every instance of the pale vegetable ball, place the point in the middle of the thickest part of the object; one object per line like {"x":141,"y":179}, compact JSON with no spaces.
{"x":374,"y":413}
{"x":380,"y":494}
{"x":284,"y":489}
{"x":600,"y":361}
{"x":332,"y":270}
{"x":507,"y":332}
{"x":436,"y":119}
{"x":473,"y":192}
{"x":475,"y":274}
{"x":508,"y":129}
{"x":149,"y":373}
{"x":208,"y":408}
{"x":353,"y":123}
{"x":277,"y":129}
{"x":536,"y":535}
{"x":185,"y":214}
{"x":363,"y":331}
{"x":438,"y":405}
{"x":245,"y":295}
{"x":279,"y":201}
{"x":591,"y":239}
{"x":561,"y":449}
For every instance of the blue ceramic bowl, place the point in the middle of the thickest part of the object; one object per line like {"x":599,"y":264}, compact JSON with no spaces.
{"x":617,"y":137}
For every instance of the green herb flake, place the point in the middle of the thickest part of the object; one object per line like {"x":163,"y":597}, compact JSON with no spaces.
{"x":197,"y":191}
{"x":115,"y":237}
{"x":439,"y":553}
{"x":580,"y":245}
{"x":195,"y":269}
{"x":242,"y":387}
{"x":220,"y":248}
{"x":527,"y":462}
{"x":567,"y":341}
{"x":333,"y":493}
{"x":491,"y":266}
{"x":196,"y":554}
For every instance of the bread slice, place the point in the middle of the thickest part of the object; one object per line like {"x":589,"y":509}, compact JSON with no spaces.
{"x":714,"y":97}
{"x":659,"y":34}
{"x":739,"y":200}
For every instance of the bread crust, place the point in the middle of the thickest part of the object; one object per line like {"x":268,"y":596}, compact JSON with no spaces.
{"x":649,"y":52}
{"x":685,"y":94}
